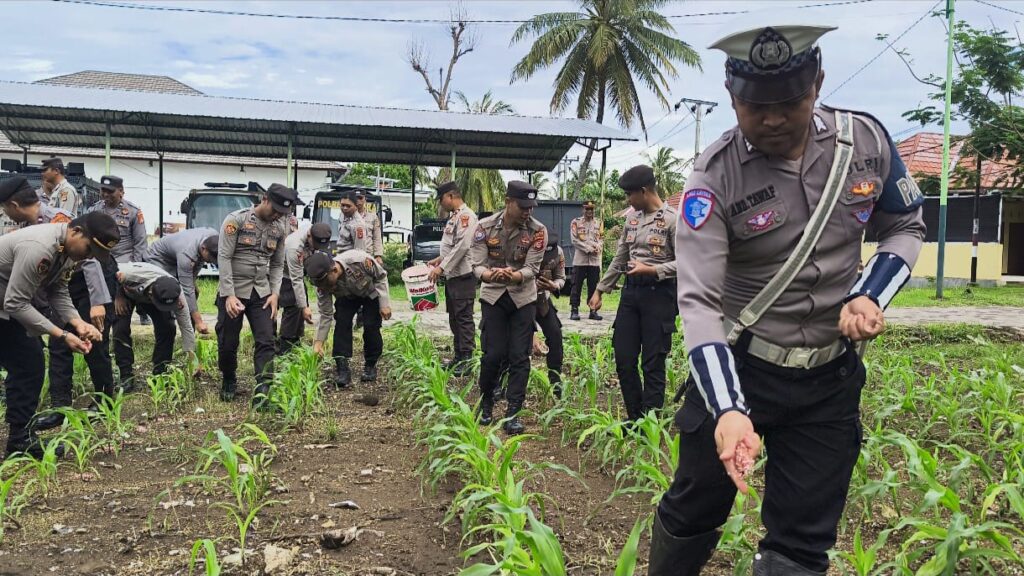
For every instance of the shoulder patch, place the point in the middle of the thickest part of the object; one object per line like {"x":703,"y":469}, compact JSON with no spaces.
{"x":359,"y":232}
{"x":139,"y":217}
{"x":43,"y":267}
{"x":480,"y":234}
{"x":60,"y":218}
{"x":697,"y":206}
{"x":539,"y":240}
{"x":464,"y":220}
{"x":369,"y":264}
{"x":230,"y":228}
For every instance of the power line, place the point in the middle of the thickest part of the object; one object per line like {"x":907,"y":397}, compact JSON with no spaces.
{"x":884,"y":50}
{"x":211,"y":11}
{"x":1011,"y":10}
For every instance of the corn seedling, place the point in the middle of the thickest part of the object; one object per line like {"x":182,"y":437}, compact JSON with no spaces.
{"x":211,"y":566}
{"x":110,"y":415}
{"x":206,"y":352}
{"x":45,"y":468}
{"x":168,"y":391}
{"x":297,"y":393}
{"x":11,"y":501}
{"x":79,"y":438}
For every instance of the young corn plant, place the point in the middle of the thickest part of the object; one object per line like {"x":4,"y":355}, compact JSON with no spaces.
{"x":168,"y":391}
{"x":110,"y":412}
{"x":79,"y":438}
{"x":228,"y":466}
{"x":655,"y":457}
{"x":211,"y":566}
{"x":44,"y":469}
{"x":206,"y":352}
{"x":12,"y":501}
{"x":297,"y":393}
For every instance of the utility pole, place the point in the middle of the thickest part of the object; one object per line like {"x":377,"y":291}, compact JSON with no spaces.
{"x":563,"y":173}
{"x":699,"y":109}
{"x":944,"y":189}
{"x":976,"y":228}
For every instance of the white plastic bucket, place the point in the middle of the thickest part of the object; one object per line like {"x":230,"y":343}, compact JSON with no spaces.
{"x":421,"y":291}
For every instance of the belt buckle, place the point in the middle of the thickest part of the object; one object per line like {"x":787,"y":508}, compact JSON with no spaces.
{"x":800,"y":358}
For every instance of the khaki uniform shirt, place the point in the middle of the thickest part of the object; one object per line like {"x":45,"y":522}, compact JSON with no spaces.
{"x":352,"y":234}
{"x":363,"y":277}
{"x":586,"y":241}
{"x":456,"y":242}
{"x":132,"y":226}
{"x":138,"y":277}
{"x":646,"y":238}
{"x":521,"y":249}
{"x":92,"y":271}
{"x":758,"y":209}
{"x":251,"y":255}
{"x":296,"y":250}
{"x":552,"y":267}
{"x":375,"y":239}
{"x":178,"y":255}
{"x":65,"y":197}
{"x":33,"y":260}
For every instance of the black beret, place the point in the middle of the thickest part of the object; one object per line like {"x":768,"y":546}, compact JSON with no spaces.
{"x":109,"y":182}
{"x":636,"y":178}
{"x":321,"y":233}
{"x":318,"y":265}
{"x":101,"y":229}
{"x":212,"y":244}
{"x":283,"y":198}
{"x":447,"y":187}
{"x":12,"y":186}
{"x":524,"y":193}
{"x":164,"y":293}
{"x":55,"y":163}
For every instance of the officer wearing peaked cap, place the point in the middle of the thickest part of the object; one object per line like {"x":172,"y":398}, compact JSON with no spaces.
{"x":294,"y":302}
{"x":506,"y":253}
{"x":61,"y":194}
{"x":250,"y":258}
{"x":586,"y":258}
{"x":646,"y":319}
{"x":767,"y":249}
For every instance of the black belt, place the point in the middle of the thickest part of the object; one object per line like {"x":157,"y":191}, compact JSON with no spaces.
{"x":648,"y":280}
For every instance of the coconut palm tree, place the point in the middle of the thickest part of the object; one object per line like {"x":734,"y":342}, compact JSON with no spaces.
{"x":607,"y":50}
{"x":667,"y":170}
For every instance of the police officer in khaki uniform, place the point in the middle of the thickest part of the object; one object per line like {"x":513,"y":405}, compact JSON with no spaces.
{"x":770,"y":345}
{"x":294,"y":303}
{"x":506,"y":254}
{"x":460,"y":284}
{"x":62,"y":195}
{"x":351,"y":228}
{"x":251,"y":261}
{"x":586,"y":259}
{"x":90,"y":294}
{"x":550,"y":282}
{"x":182,"y":255}
{"x":350,"y":282}
{"x":646,"y":318}
{"x":33,"y":260}
{"x":374,"y":232}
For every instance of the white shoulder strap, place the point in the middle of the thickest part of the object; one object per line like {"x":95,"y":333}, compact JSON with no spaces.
{"x":753,"y":311}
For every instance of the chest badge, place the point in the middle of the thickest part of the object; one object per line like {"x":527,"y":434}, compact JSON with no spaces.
{"x":494,"y":241}
{"x":762,"y":221}
{"x":863,"y":215}
{"x":865,"y":188}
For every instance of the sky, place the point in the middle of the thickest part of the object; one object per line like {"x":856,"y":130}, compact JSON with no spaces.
{"x":363,"y":63}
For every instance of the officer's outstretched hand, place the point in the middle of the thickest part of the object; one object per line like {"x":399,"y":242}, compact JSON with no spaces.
{"x":86,"y":331}
{"x":435,"y":274}
{"x":861,"y":319}
{"x":272,"y":304}
{"x":595,"y":301}
{"x":76,"y":344}
{"x":385,"y":312}
{"x":738,"y":446}
{"x":307,"y":315}
{"x":318,"y":348}
{"x":98,"y":315}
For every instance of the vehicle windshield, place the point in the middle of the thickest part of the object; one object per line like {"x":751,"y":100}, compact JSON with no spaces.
{"x":210,"y":210}
{"x":329,"y":210}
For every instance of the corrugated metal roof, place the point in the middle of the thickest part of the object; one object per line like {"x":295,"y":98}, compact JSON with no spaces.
{"x":49,"y":115}
{"x":122,"y":81}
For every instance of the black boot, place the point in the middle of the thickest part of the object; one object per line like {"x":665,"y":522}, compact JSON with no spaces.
{"x":128,"y":383}
{"x":769,"y":563}
{"x":674,"y":556}
{"x":595,"y":316}
{"x":25,"y":441}
{"x":49,"y":420}
{"x":261,"y":396}
{"x":343,"y":375}
{"x":369,"y":373}
{"x":486,"y":409}
{"x":512,"y":424}
{"x":227,"y":389}
{"x":462,"y":367}
{"x":575,"y":314}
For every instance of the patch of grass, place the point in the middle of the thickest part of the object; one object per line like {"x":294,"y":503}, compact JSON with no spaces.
{"x":963,"y":296}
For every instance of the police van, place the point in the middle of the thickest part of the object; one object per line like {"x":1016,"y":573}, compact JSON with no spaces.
{"x":326,"y":207}
{"x":208,"y":207}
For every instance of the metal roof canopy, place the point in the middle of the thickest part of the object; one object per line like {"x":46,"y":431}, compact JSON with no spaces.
{"x":48,"y":115}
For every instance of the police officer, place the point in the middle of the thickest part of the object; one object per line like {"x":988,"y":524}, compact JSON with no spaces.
{"x":506,"y":254}
{"x":39,"y":259}
{"x":549,"y":282}
{"x":251,"y":262}
{"x":646,"y":318}
{"x":154,"y":290}
{"x":90,"y":294}
{"x":298,"y":246}
{"x":352,"y":228}
{"x":770,"y":345}
{"x":182,"y":255}
{"x":372,"y":222}
{"x":62,"y":195}
{"x":586,"y":259}
{"x":454,"y":264}
{"x":349,"y":282}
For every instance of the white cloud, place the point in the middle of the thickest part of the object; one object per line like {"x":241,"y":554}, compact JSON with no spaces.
{"x":224,"y":80}
{"x":29,"y":65}
{"x":183,"y":64}
{"x":323,"y":81}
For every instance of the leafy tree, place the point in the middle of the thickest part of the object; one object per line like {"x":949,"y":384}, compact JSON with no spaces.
{"x":363,"y":174}
{"x":609,"y":50}
{"x":667,"y":171}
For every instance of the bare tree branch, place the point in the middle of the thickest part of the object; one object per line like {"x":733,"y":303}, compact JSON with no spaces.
{"x":463,"y":42}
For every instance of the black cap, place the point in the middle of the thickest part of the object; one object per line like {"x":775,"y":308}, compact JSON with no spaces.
{"x":102,"y":233}
{"x":552,"y":240}
{"x":212,"y":244}
{"x":55,"y":163}
{"x":283,"y":198}
{"x":524,"y":193}
{"x":164,"y":293}
{"x":447,"y":187}
{"x":321,"y":234}
{"x":109,"y":182}
{"x":12,"y":186}
{"x":636,"y":178}
{"x":318,"y":265}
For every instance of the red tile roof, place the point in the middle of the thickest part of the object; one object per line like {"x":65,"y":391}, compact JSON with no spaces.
{"x":922,"y":153}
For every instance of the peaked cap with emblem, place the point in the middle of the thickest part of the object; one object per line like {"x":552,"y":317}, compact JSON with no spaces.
{"x":164,"y":293}
{"x":55,"y":163}
{"x":524,"y":193}
{"x":110,"y":182}
{"x":318,"y":265}
{"x":321,"y":234}
{"x":283,"y":198}
{"x":447,"y":187}
{"x":102,"y":232}
{"x":773,"y":63}
{"x":12,"y":186}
